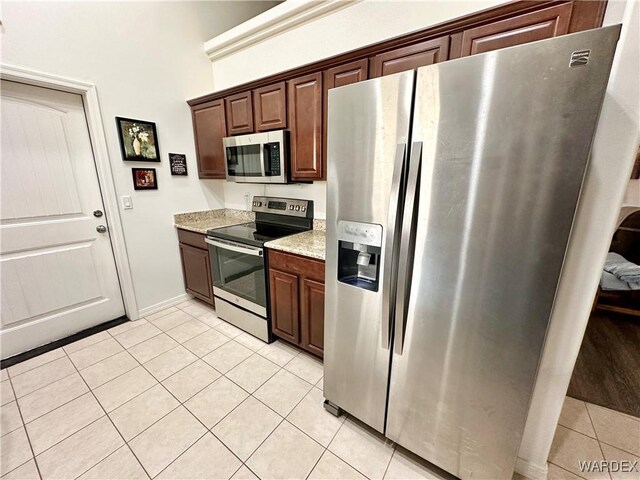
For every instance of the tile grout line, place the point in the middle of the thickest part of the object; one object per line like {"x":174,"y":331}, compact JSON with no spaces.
{"x":346,"y":417}
{"x":114,"y":426}
{"x":90,"y":390}
{"x":597,"y":437}
{"x":9,"y":375}
{"x":180,"y":404}
{"x":565,"y":470}
{"x":26,"y":434}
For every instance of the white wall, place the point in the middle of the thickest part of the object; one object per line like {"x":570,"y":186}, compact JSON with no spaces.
{"x":354,"y":25}
{"x":146,"y":59}
{"x":613,"y":153}
{"x":632,"y":197}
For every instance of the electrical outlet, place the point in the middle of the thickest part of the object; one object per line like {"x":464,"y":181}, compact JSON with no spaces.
{"x":127,"y":203}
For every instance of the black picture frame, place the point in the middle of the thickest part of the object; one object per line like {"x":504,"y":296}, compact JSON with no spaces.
{"x":142,"y":131}
{"x":178,"y":164}
{"x":144,"y":181}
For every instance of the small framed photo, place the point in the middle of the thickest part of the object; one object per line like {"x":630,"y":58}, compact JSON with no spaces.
{"x":138,"y":140}
{"x":144,"y":178}
{"x":178,"y":163}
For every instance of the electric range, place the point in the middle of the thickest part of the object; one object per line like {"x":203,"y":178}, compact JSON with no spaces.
{"x":238,"y":263}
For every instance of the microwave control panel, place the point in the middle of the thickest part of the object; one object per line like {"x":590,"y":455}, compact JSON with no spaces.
{"x":272,"y":159}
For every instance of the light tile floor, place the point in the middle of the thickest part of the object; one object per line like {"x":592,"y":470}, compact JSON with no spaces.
{"x":590,"y":432}
{"x":184,"y":395}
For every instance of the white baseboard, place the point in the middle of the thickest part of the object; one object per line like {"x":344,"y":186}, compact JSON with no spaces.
{"x":531,"y":471}
{"x":162,"y":305}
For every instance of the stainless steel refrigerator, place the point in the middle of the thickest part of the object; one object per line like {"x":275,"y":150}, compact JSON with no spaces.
{"x":451,"y":192}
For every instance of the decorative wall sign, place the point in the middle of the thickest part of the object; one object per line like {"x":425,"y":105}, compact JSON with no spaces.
{"x":178,"y":163}
{"x":138,"y":140}
{"x":144,"y":178}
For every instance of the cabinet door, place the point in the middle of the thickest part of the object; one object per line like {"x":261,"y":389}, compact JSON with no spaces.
{"x":305,"y":124}
{"x":239,"y":109}
{"x":346,"y":74}
{"x":196,"y":272}
{"x":284,"y":305}
{"x":338,"y":77}
{"x":312,"y":316}
{"x":529,"y":27}
{"x":209,"y":128}
{"x":407,"y":58}
{"x":270,"y":104}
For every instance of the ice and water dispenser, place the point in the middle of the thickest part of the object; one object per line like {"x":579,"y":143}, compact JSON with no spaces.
{"x":359,"y":253}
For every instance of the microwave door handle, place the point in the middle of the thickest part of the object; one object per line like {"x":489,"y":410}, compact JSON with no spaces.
{"x":266,"y":161}
{"x":262,"y":166}
{"x":391,"y":244}
{"x":407,"y":245}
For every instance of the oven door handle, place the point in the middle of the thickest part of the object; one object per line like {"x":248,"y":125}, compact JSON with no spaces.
{"x":255,"y":251}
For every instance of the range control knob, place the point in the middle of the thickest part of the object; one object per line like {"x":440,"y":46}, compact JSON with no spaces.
{"x":290,"y":207}
{"x":297,"y":208}
{"x":259,"y":204}
{"x":304,"y":209}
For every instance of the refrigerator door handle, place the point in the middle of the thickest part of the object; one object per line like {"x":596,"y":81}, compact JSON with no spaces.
{"x":407,"y":240}
{"x":391,"y":245}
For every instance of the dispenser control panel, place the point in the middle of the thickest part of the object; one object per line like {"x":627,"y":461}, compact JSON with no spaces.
{"x":362,"y":233}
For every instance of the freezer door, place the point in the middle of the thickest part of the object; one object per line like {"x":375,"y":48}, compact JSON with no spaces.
{"x":368,"y":129}
{"x":501,"y":147}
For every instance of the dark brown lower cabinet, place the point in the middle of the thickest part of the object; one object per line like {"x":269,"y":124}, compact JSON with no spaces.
{"x":284,"y":305}
{"x":196,"y":268}
{"x":297,"y":300}
{"x":312,"y":316}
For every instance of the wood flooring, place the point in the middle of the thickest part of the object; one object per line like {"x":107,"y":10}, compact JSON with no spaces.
{"x":607,"y":370}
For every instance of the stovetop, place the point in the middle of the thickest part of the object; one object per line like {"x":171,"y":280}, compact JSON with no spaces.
{"x":275,"y":218}
{"x":253,"y":233}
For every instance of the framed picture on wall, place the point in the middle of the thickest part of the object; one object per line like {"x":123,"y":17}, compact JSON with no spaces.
{"x":138,"y":140}
{"x":178,"y":163}
{"x":144,"y":178}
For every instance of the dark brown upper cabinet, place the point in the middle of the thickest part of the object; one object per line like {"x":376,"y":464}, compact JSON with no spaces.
{"x":239,"y":108}
{"x":346,"y":74}
{"x":305,"y":125}
{"x":529,"y":27}
{"x":270,"y":107}
{"x":209,"y":128}
{"x":407,"y":58}
{"x":339,"y":76}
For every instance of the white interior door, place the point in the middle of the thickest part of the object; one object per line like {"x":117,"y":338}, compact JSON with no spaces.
{"x":57,"y":272}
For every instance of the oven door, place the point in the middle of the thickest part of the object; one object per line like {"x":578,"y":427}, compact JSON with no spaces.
{"x":238,"y":274}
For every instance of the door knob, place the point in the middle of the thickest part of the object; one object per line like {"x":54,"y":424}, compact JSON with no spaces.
{"x":101,"y":229}
{"x":97,"y":213}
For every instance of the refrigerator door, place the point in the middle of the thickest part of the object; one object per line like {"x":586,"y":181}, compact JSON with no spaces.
{"x":505,"y":139}
{"x":367,"y":142}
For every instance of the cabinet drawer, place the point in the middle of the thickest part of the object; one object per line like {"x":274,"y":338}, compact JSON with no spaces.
{"x":192,"y":238}
{"x":305,"y":267}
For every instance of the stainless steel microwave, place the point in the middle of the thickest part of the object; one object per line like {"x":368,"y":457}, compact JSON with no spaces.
{"x":257,"y":157}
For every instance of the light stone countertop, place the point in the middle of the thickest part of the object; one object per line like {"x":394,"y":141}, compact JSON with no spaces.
{"x":308,"y":244}
{"x":202,"y":221}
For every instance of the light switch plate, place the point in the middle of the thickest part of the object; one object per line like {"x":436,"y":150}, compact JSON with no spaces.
{"x":126,"y":202}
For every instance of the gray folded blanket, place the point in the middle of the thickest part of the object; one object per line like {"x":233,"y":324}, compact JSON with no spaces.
{"x":624,"y":270}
